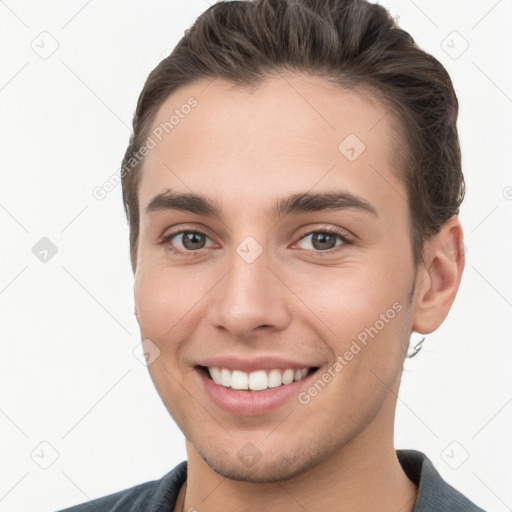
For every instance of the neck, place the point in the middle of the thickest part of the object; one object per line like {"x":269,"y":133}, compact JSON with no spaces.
{"x":365,"y":475}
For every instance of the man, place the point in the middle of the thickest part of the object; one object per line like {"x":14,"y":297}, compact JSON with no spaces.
{"x":292,"y":187}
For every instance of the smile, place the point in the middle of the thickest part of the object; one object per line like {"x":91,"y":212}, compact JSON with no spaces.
{"x":258,"y":380}
{"x":253,"y":393}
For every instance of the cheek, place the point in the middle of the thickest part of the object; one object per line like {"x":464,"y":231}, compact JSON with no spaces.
{"x":362,"y":311}
{"x":162,"y":316}
{"x":157,"y":301}
{"x":350,"y":297}
{"x":167,"y":300}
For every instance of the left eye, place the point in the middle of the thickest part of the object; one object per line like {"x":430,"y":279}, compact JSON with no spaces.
{"x":324,"y":240}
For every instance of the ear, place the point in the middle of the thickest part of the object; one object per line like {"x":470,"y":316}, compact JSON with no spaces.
{"x":438,"y":277}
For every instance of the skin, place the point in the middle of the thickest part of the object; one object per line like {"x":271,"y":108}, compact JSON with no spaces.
{"x":245,"y":149}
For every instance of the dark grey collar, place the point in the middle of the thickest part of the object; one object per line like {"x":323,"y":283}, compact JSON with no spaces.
{"x":434,"y":493}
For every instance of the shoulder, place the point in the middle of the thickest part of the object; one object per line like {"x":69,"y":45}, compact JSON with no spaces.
{"x":434,"y":493}
{"x":154,"y":496}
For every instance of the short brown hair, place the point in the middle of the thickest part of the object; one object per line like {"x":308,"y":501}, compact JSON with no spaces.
{"x":352,"y":43}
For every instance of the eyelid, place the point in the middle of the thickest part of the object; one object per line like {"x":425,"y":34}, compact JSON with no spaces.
{"x":344,"y":233}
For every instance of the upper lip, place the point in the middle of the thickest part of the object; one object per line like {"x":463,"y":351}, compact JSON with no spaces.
{"x":254,"y":363}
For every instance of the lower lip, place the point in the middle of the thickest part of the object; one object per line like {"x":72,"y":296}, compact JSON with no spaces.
{"x":250,"y":403}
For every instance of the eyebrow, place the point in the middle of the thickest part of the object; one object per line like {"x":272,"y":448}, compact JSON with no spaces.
{"x":295,"y":203}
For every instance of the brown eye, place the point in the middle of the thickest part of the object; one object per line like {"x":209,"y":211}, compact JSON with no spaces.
{"x":186,"y":242}
{"x":324,"y":240}
{"x":192,"y":240}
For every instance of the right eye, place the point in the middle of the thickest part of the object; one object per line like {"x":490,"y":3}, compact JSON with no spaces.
{"x":191,"y":241}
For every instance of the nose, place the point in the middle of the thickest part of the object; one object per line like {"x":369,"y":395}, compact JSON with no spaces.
{"x":249,"y":298}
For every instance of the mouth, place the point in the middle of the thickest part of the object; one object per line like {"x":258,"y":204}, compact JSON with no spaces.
{"x":258,"y":380}
{"x":253,"y":386}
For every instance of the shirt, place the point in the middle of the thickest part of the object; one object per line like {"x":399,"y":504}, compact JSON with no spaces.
{"x":434,"y":493}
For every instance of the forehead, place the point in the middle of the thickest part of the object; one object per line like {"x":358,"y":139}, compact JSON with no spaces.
{"x":289,"y":134}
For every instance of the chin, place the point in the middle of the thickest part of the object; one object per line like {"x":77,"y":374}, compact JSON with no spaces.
{"x":282,"y":467}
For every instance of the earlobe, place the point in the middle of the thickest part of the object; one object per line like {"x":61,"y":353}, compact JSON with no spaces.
{"x":438,"y":281}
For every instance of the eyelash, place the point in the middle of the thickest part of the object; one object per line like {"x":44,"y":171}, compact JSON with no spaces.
{"x":329,"y":231}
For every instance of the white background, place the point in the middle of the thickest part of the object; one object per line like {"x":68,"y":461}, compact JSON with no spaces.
{"x":68,"y":375}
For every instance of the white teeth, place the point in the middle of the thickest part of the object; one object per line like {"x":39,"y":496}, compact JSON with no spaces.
{"x":274,"y":378}
{"x":257,"y":380}
{"x":239,"y":380}
{"x":215,"y":375}
{"x":288,"y":376}
{"x":225,"y":377}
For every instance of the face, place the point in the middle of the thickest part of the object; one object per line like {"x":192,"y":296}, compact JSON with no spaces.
{"x":293,"y":262}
